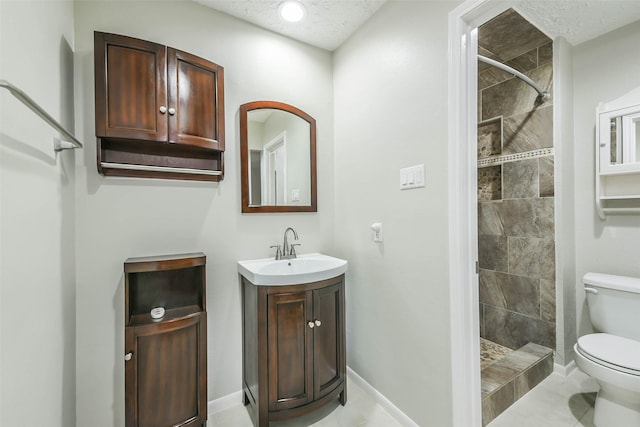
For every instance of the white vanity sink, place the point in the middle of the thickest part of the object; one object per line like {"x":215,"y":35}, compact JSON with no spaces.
{"x":303,"y":269}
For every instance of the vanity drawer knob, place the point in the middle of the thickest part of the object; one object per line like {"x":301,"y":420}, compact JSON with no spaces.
{"x":127,"y":356}
{"x":163,"y":109}
{"x":318,"y":323}
{"x":311,"y":324}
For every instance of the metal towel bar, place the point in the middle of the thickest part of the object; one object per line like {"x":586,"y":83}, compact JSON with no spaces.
{"x":70,"y":142}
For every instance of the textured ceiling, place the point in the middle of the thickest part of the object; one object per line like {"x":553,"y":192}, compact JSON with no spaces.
{"x":327,"y":24}
{"x":330,"y":22}
{"x":579,"y":20}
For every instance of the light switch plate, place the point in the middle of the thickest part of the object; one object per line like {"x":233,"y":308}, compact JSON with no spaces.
{"x":412,"y":177}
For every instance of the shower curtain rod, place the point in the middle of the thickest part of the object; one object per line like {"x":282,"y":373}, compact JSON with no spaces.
{"x":542,"y":96}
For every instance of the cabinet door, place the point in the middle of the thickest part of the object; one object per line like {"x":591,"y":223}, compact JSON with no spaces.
{"x":130,"y":87}
{"x":196,"y":99}
{"x":290,"y":350}
{"x":166,"y":377}
{"x":330,"y":364}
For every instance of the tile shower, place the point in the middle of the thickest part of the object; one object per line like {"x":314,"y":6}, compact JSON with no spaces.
{"x":515,"y":212}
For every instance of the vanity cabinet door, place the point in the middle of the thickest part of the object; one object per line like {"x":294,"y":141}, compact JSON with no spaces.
{"x":329,"y":352}
{"x":130,"y":88}
{"x":196,"y":99}
{"x":290,"y":350}
{"x":166,"y":375}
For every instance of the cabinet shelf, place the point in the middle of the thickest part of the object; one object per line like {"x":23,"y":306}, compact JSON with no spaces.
{"x":170,"y":315}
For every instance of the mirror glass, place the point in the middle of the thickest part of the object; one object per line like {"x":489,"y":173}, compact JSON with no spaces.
{"x":624,"y":144}
{"x":277,"y":150}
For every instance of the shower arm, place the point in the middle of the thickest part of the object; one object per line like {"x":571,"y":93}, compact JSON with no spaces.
{"x":542,"y":96}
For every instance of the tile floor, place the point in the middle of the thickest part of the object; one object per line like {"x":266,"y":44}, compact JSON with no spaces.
{"x":555,"y":402}
{"x":360,"y":411}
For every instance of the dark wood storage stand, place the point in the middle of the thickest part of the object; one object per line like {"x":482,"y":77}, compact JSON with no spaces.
{"x":293,"y":348}
{"x":166,"y":359}
{"x":159,"y":111}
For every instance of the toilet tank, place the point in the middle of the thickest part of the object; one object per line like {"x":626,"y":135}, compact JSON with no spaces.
{"x":614,"y":304}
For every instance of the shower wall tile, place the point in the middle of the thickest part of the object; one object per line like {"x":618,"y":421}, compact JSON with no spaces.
{"x":517,"y":303}
{"x":528,"y":218}
{"x":520,"y":179}
{"x":532,"y":257}
{"x":517,"y":218}
{"x":492,"y":76}
{"x":509,"y":35}
{"x":546,"y":165}
{"x":528,"y":131}
{"x":514,"y":330}
{"x":515,"y":293}
{"x":489,"y":219}
{"x":492,"y":252}
{"x":545,"y":54}
{"x":490,"y":183}
{"x":525,"y":62}
{"x":514,"y":97}
{"x":487,"y":53}
{"x":548,"y":300}
{"x":489,"y":138}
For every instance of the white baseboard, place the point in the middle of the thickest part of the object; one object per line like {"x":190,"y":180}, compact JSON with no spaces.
{"x":565,"y":371}
{"x":386,"y":404}
{"x":224,"y":402}
{"x":235,"y":398}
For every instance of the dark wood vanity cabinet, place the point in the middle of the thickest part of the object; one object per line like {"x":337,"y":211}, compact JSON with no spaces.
{"x":166,"y":358}
{"x":293,"y":348}
{"x":159,"y":110}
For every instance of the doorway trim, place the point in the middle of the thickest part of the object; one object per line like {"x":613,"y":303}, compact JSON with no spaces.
{"x":463,"y":229}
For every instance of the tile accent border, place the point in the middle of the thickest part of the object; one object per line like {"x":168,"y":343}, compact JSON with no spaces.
{"x":507,"y":158}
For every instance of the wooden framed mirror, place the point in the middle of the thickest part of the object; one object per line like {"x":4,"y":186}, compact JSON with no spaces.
{"x":278,"y":158}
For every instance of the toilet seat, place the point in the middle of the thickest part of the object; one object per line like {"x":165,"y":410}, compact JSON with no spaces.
{"x":618,"y":353}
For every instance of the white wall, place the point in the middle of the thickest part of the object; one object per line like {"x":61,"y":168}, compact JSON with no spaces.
{"x":120,"y":217}
{"x":604,"y":69}
{"x":37,"y":315}
{"x":390,"y":96}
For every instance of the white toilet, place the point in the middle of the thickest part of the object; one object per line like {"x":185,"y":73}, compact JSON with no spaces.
{"x":612,"y":356}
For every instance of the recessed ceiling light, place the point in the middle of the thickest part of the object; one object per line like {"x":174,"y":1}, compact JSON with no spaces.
{"x":291,"y":11}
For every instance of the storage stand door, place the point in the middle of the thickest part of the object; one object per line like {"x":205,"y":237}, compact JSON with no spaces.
{"x":163,"y":381}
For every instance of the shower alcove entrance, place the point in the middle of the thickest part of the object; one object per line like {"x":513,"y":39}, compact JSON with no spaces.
{"x":516,"y":245}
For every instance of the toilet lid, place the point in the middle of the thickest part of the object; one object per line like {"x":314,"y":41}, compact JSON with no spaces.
{"x":618,"y":352}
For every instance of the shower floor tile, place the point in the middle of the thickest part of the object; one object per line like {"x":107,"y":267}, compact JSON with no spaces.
{"x":491,"y":352}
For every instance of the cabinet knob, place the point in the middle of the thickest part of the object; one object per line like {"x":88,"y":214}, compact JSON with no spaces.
{"x":127,"y":356}
{"x":163,"y":109}
{"x":311,"y":324}
{"x":318,"y":323}
{"x":172,"y":111}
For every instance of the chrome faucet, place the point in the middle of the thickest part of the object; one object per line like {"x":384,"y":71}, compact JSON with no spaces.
{"x":289,"y":252}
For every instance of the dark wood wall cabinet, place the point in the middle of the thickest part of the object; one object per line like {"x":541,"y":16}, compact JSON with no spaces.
{"x":165,"y":357}
{"x":293,"y":348}
{"x":159,"y":111}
